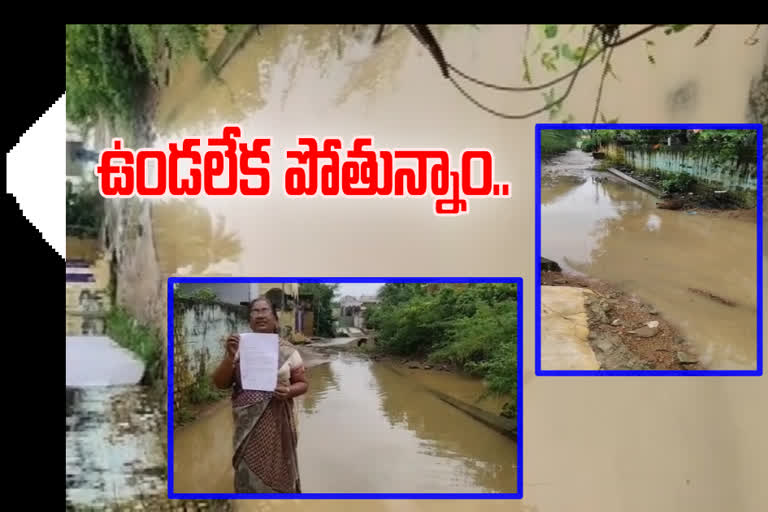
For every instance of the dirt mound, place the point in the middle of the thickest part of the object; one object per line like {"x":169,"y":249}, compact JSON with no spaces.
{"x":627,"y":334}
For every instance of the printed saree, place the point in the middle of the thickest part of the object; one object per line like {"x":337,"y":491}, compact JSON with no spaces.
{"x":265,"y":439}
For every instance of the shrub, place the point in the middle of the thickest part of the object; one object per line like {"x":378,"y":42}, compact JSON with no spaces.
{"x":472,"y":326}
{"x":680,"y":183}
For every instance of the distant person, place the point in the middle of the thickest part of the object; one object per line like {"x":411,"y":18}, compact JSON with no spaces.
{"x":266,"y":435}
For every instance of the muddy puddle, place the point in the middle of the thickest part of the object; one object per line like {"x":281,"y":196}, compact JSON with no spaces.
{"x":357,"y":412}
{"x":676,"y":260}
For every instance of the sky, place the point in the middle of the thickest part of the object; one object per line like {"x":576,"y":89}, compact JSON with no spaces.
{"x":357,"y":289}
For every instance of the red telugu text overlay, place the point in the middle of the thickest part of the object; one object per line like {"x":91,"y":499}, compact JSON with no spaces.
{"x":365,"y":172}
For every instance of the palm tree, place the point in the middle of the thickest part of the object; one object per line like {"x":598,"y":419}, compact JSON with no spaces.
{"x":185,"y":235}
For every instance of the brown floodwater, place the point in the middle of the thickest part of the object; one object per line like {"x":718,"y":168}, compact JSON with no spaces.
{"x":591,"y":445}
{"x":364,"y":428}
{"x":612,"y":230}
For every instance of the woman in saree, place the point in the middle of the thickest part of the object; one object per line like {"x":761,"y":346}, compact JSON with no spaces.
{"x":265,"y":459}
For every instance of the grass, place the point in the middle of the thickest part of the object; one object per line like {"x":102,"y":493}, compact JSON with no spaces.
{"x":141,"y":339}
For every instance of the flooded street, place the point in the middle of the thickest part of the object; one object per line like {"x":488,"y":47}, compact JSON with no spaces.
{"x":366,"y":428}
{"x":613,"y":231}
{"x":113,"y":452}
{"x":320,"y":81}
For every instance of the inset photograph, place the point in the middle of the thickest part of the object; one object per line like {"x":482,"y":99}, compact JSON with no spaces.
{"x":648,"y":242}
{"x":378,"y":389}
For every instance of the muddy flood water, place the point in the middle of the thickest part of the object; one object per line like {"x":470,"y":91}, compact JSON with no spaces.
{"x":357,"y":412}
{"x":613,"y":231}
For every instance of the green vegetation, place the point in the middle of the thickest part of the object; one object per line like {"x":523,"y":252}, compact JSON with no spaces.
{"x":322,"y":298}
{"x":85,"y":211}
{"x":680,"y":183}
{"x":109,"y":67}
{"x":732,"y":150}
{"x":470,"y":326}
{"x":202,"y":391}
{"x":738,"y":146}
{"x":558,"y":141}
{"x":144,"y":341}
{"x":201,"y":296}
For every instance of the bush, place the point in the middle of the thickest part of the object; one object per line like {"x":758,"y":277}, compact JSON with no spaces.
{"x":144,"y":341}
{"x":589,"y":145}
{"x":680,"y":183}
{"x":472,"y":326}
{"x":85,"y":211}
{"x":110,"y":66}
{"x":557,"y":141}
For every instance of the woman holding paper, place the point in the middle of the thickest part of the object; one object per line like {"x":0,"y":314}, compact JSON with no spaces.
{"x":265,"y":459}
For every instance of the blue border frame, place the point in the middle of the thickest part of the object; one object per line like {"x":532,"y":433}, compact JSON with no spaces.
{"x":474,"y":496}
{"x":744,"y":126}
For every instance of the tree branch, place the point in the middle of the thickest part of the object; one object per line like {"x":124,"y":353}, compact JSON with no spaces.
{"x":633,"y":36}
{"x":602,"y":81}
{"x":558,"y":79}
{"x":539,"y":110}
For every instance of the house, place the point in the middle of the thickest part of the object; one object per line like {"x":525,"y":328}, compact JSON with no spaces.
{"x":285,"y":296}
{"x":352,"y":310}
{"x":349,"y":312}
{"x":305,"y":319}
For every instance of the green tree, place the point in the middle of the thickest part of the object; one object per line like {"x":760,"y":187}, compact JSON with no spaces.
{"x":109,"y":67}
{"x":472,"y":326}
{"x":85,"y":211}
{"x":322,"y":299}
{"x":558,"y":141}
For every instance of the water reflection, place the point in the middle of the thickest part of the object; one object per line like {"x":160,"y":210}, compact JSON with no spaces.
{"x":355,"y":413}
{"x":489,"y":458}
{"x":323,"y":379}
{"x":186,"y":236}
{"x":653,"y":223}
{"x":420,"y":444}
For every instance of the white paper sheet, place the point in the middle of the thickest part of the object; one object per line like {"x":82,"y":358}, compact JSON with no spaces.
{"x":258,"y":361}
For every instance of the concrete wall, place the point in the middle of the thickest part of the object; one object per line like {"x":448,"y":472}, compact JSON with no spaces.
{"x":235,"y":293}
{"x":231,"y":293}
{"x":727,"y":175}
{"x":88,"y":302}
{"x":199,"y":334}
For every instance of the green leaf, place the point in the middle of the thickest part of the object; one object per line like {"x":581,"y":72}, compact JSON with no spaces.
{"x":566,"y":52}
{"x":550,"y":31}
{"x":527,"y":72}
{"x":547,"y":61}
{"x":674,"y":29}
